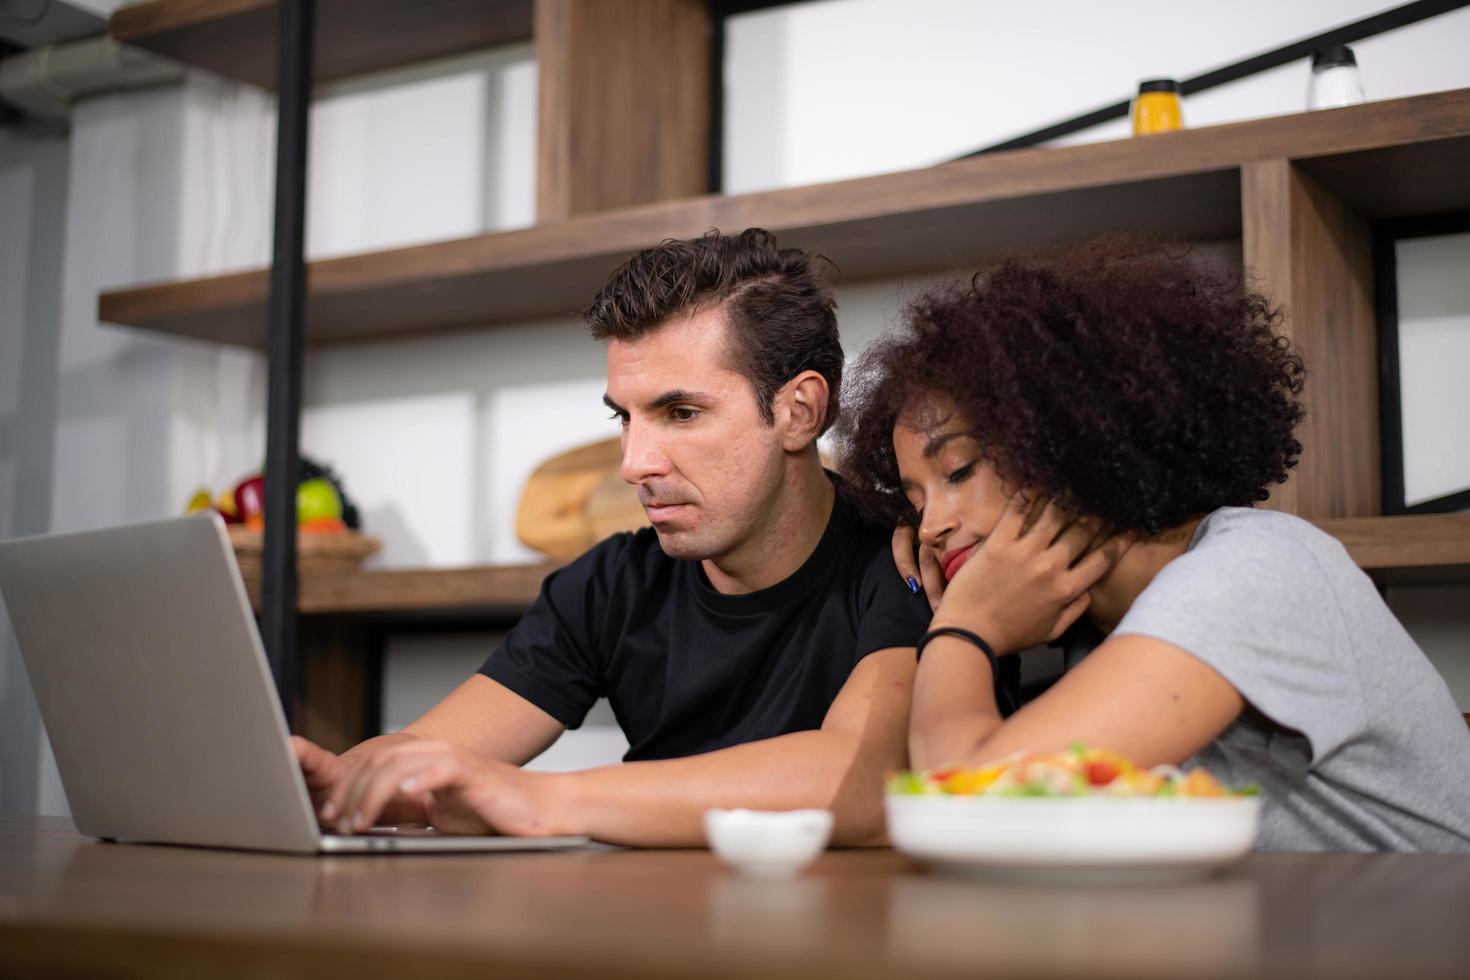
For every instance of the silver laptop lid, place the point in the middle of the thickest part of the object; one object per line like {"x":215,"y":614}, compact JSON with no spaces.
{"x":153,"y":686}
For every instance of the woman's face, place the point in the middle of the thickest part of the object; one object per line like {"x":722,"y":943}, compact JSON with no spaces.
{"x":958,"y":494}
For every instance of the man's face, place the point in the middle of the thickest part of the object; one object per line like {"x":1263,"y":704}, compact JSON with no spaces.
{"x":694,"y":444}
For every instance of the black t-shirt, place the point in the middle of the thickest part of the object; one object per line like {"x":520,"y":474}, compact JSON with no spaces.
{"x":688,"y":669}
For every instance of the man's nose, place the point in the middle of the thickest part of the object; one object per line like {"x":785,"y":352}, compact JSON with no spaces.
{"x":642,"y":459}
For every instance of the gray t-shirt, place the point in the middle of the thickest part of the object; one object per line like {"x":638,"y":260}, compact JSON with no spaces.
{"x":1348,"y":729}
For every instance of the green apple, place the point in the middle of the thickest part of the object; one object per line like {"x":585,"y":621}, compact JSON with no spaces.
{"x":317,"y":499}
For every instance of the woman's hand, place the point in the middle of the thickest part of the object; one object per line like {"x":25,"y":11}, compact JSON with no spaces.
{"x":925,"y":571}
{"x":1028,"y":582}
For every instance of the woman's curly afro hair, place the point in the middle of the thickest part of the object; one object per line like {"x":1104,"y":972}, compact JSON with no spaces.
{"x":1120,"y":378}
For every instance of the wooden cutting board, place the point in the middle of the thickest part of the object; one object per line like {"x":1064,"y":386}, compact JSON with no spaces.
{"x":575,"y":499}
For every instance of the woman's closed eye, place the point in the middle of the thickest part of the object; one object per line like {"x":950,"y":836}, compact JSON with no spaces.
{"x":956,"y":477}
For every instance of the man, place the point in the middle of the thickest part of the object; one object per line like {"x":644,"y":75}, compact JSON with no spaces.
{"x":756,"y":643}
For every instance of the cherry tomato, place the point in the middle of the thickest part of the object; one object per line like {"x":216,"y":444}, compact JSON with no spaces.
{"x":1100,"y":773}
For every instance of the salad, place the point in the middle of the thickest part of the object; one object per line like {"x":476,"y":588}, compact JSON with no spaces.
{"x":1078,"y":772}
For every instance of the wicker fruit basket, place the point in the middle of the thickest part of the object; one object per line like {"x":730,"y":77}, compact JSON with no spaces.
{"x":316,"y":554}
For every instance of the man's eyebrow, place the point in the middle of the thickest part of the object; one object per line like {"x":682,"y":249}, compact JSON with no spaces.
{"x":939,"y":442}
{"x":676,"y":395}
{"x":618,"y":409}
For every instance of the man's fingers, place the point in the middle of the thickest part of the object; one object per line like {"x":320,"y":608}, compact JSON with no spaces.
{"x":361,"y":810}
{"x":307,"y":753}
{"x":332,"y":808}
{"x":375,"y":779}
{"x":372,"y":784}
{"x":347,"y":798}
{"x":320,"y":768}
{"x":347,"y":794}
{"x":410,"y":775}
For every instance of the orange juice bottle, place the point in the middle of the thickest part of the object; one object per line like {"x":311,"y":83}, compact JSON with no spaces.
{"x":1157,"y":109}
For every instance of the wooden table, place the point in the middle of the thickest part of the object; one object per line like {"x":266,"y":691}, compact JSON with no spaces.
{"x":73,"y":907}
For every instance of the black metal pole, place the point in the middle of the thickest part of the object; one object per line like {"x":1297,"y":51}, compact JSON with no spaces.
{"x":296,"y":23}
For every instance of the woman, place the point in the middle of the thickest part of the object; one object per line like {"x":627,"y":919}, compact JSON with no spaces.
{"x":1085,"y":436}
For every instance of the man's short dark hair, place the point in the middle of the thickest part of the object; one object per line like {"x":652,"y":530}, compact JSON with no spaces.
{"x":779,"y":313}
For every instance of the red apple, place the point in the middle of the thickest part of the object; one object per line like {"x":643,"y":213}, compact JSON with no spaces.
{"x":250,"y":497}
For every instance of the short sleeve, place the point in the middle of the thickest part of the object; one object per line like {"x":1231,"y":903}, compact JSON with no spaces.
{"x":889,"y":614}
{"x":1256,"y":606}
{"x":551,"y":657}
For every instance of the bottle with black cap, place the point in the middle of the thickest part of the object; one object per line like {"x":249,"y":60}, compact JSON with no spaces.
{"x":1156,"y":108}
{"x":1335,"y":79}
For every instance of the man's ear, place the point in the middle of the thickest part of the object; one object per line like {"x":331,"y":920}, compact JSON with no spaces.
{"x":800,"y":408}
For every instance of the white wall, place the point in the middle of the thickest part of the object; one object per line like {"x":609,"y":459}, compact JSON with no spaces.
{"x":33,"y":191}
{"x":105,"y":425}
{"x":96,"y":414}
{"x":845,"y":88}
{"x":122,"y":425}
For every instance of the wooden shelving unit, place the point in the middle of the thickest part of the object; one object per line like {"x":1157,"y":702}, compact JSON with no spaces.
{"x":1387,"y":159}
{"x":1384,"y":159}
{"x":1407,"y":550}
{"x":237,"y":38}
{"x":1379,"y":545}
{"x":623,"y":166}
{"x":1299,"y":192}
{"x":479,"y":591}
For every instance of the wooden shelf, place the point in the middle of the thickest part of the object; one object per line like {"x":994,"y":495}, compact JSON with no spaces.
{"x":1393,"y":158}
{"x":485,"y":590}
{"x":1433,"y":548}
{"x":237,"y":38}
{"x":1428,"y":548}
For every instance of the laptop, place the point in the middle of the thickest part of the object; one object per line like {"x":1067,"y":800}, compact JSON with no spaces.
{"x":152,"y":681}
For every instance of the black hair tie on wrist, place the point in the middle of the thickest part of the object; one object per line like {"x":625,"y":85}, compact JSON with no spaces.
{"x":964,"y":634}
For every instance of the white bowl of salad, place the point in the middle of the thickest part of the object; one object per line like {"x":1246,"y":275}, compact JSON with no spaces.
{"x":1081,"y":813}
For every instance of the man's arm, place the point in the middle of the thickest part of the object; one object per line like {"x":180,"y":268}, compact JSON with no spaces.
{"x":488,"y":718}
{"x":839,"y":767}
{"x":481,"y":715}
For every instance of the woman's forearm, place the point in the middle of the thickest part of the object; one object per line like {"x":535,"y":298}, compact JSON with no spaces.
{"x":954,"y":707}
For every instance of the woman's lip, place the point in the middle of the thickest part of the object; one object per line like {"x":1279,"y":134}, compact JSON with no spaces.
{"x":953,"y":562}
